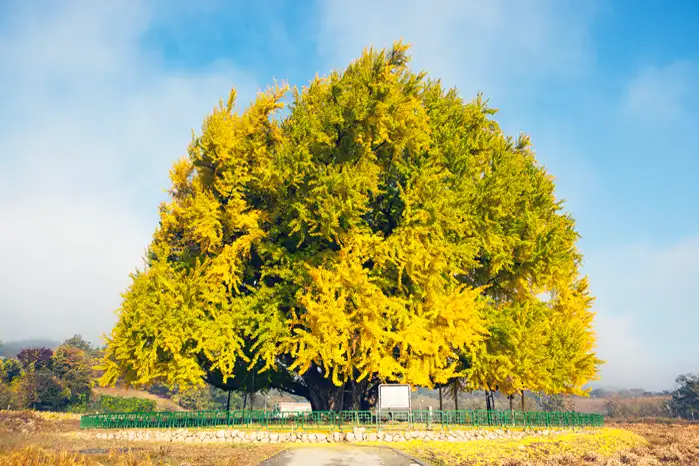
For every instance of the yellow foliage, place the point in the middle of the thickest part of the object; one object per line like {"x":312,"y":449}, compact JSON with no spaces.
{"x":559,"y":449}
{"x":382,"y":230}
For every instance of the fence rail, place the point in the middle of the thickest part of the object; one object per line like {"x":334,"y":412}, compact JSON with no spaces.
{"x":332,"y":420}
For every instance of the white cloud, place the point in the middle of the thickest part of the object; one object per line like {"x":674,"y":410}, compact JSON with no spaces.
{"x":478,"y":46}
{"x":646,"y":317}
{"x":89,"y":126}
{"x":662,"y":93}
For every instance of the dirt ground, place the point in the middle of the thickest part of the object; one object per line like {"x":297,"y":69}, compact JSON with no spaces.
{"x":52,"y":439}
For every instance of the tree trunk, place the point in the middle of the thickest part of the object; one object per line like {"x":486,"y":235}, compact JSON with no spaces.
{"x":512,"y":399}
{"x":456,"y":396}
{"x":228,"y":403}
{"x":320,"y":392}
{"x":441,"y":408}
{"x":522,"y":400}
{"x":487,"y":400}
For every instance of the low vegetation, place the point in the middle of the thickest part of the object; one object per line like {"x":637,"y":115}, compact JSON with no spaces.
{"x":565,"y":449}
{"x":28,"y":437}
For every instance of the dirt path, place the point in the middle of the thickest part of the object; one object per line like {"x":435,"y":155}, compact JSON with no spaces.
{"x":339,"y":456}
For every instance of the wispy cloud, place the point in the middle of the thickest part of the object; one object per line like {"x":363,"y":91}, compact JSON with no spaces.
{"x":479,"y":46}
{"x":662,"y":94}
{"x":646,"y":321}
{"x":91,"y":122}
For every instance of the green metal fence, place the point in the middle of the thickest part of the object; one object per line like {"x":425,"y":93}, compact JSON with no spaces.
{"x":332,"y":420}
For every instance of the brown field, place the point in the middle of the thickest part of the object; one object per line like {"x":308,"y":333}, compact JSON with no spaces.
{"x":54,"y":439}
{"x":28,"y":438}
{"x":624,"y":407}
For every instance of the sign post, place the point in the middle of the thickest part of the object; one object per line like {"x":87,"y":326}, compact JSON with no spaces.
{"x":394,"y":397}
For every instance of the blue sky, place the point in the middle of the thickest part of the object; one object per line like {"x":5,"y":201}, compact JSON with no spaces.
{"x":99,"y":100}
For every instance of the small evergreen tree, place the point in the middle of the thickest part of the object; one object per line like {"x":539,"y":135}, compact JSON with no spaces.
{"x":685,"y":398}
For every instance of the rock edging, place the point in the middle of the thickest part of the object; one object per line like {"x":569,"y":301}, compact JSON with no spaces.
{"x":356,"y":435}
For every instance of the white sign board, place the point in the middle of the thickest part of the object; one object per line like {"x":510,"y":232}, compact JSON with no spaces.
{"x":394,"y":397}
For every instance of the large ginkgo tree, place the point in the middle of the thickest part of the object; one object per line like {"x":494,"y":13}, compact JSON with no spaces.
{"x":379,"y":229}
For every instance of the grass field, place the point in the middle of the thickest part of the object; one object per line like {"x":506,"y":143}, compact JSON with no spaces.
{"x":53,"y":439}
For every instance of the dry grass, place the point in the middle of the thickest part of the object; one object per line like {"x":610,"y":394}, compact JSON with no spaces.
{"x":53,"y":439}
{"x":671,"y":443}
{"x":28,"y":438}
{"x":149,"y":455}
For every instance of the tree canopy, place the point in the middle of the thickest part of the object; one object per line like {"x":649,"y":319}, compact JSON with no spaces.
{"x":685,"y":398}
{"x":380,"y":229}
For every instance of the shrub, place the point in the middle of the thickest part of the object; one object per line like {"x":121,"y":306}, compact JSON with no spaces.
{"x":35,"y":358}
{"x":121,"y":404}
{"x":43,"y":391}
{"x":11,"y":370}
{"x":8,"y":400}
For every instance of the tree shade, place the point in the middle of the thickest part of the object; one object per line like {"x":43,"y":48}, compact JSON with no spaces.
{"x":381,"y":230}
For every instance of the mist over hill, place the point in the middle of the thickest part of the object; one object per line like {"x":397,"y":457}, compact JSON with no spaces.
{"x":9,"y":349}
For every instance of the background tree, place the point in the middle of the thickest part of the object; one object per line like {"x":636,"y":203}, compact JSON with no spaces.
{"x":43,"y":391}
{"x":366,"y":237}
{"x":77,"y":341}
{"x":35,"y":358}
{"x":7,"y":397}
{"x":556,"y":402}
{"x":685,"y":398}
{"x":73,"y":368}
{"x":11,"y":370}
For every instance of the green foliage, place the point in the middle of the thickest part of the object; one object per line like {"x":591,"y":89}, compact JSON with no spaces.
{"x":73,"y":367}
{"x":384,"y":230}
{"x":8,"y":400}
{"x":206,"y":398}
{"x":11,"y":370}
{"x":43,"y":380}
{"x":77,"y":341}
{"x":121,"y":404}
{"x":685,"y":398}
{"x":43,"y":391}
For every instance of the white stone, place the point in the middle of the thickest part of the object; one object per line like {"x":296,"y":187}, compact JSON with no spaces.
{"x":349,"y":436}
{"x":221,"y":434}
{"x":237,"y":440}
{"x":388,"y":438}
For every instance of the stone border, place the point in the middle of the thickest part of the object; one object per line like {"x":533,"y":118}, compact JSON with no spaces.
{"x":357,"y":435}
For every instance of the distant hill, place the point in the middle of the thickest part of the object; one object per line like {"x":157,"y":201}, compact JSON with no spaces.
{"x":10,"y":349}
